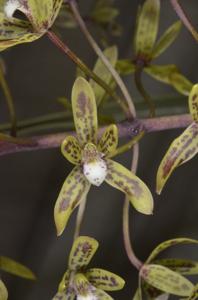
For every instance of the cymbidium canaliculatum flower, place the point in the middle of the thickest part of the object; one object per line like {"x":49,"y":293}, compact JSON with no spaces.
{"x":91,"y":157}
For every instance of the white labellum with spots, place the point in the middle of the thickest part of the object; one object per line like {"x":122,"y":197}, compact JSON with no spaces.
{"x":11,"y":6}
{"x":95,"y":171}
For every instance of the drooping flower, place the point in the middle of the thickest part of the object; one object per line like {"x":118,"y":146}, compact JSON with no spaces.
{"x":184,"y":147}
{"x":40,"y":17}
{"x":82,"y":284}
{"x":146,"y":49}
{"x":91,"y":158}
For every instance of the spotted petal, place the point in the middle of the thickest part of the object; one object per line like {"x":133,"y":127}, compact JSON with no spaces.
{"x":105,"y":280}
{"x":109,"y":140}
{"x":84,"y":111}
{"x":166,"y":280}
{"x":101,"y":295}
{"x":15,"y":32}
{"x":180,"y":151}
{"x":3,"y":291}
{"x":147,"y":27}
{"x":71,"y":150}
{"x":74,"y":189}
{"x":134,"y":188}
{"x":193,"y":102}
{"x":39,"y":13}
{"x":82,"y":252}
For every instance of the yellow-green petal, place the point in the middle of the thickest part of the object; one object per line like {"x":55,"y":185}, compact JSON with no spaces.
{"x":84,"y":111}
{"x":147,"y":27}
{"x":9,"y":265}
{"x":104,"y":280}
{"x":161,"y":73}
{"x":193,"y":103}
{"x":56,"y":8}
{"x":180,"y":151}
{"x":82,"y":286}
{"x":39,"y":13}
{"x":100,"y":294}
{"x":167,"y":39}
{"x":194,"y":294}
{"x":71,"y":150}
{"x":166,"y":280}
{"x":101,"y":70}
{"x":82,"y":252}
{"x":181,"y":83}
{"x":109,"y":140}
{"x":167,"y":244}
{"x":3,"y":291}
{"x":73,"y":191}
{"x":135,"y":189}
{"x":125,"y":66}
{"x":179,"y":265}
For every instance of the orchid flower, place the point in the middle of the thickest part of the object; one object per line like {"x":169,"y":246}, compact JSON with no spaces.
{"x":40,"y":17}
{"x":91,"y":157}
{"x":83,"y":284}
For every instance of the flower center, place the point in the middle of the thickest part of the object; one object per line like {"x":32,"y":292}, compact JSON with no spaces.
{"x":94,"y":167}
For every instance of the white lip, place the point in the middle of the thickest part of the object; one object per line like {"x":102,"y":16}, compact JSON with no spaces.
{"x":88,"y":297}
{"x":10,"y":7}
{"x":95,"y":172}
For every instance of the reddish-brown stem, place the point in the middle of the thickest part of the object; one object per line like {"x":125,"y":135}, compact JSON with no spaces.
{"x":183,"y":17}
{"x":126,"y":129}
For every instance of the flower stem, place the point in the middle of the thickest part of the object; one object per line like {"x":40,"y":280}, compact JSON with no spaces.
{"x":79,"y":218}
{"x":98,"y":51}
{"x":183,"y":17}
{"x":10,"y":103}
{"x":128,"y":129}
{"x":143,"y":92}
{"x":55,"y":39}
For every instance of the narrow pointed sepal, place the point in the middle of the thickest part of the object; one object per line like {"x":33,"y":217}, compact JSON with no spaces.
{"x":135,"y":189}
{"x":74,"y":189}
{"x":147,"y":27}
{"x":84,"y":111}
{"x":193,"y":103}
{"x":71,"y":149}
{"x":3,"y":291}
{"x":109,"y":140}
{"x":167,"y":39}
{"x":101,"y":70}
{"x":180,"y":151}
{"x":82,"y":252}
{"x":10,"y":266}
{"x":104,"y":280}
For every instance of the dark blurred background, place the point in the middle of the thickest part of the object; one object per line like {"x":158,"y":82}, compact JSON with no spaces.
{"x":30,"y":182}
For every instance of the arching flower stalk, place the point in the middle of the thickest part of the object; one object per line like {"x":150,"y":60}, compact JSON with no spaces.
{"x":82,"y":284}
{"x":91,"y":158}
